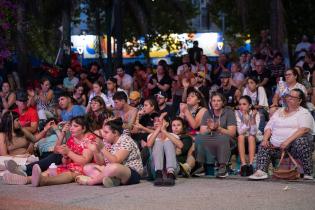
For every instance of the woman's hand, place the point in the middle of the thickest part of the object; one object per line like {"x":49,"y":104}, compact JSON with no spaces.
{"x":265,"y":144}
{"x":63,"y":149}
{"x":183,"y":107}
{"x":284,"y":145}
{"x":66,"y":127}
{"x":143,"y":144}
{"x":185,"y":83}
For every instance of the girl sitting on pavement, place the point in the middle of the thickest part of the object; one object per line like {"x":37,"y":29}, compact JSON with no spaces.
{"x":247,"y":122}
{"x":119,"y":163}
{"x":164,"y":145}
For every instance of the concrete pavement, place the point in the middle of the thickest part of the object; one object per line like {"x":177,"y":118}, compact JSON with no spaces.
{"x":193,"y":193}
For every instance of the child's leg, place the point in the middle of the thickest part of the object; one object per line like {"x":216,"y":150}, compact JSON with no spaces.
{"x":241,"y":148}
{"x":170,"y":155}
{"x":251,"y":148}
{"x":158,"y":155}
{"x":191,"y":161}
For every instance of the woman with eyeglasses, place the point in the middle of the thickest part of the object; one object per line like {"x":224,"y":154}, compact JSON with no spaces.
{"x":291,"y":82}
{"x":290,"y":128}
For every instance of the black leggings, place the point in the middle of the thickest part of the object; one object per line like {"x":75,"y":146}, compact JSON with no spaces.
{"x":44,"y":163}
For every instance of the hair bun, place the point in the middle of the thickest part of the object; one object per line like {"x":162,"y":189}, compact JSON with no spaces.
{"x":117,"y":121}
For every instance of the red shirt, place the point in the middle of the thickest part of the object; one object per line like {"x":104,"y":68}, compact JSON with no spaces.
{"x":27,"y":117}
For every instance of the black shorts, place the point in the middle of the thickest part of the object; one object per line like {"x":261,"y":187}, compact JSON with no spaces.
{"x":134,"y":177}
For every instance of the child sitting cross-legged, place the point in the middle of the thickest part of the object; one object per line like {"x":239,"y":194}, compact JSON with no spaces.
{"x":164,"y":145}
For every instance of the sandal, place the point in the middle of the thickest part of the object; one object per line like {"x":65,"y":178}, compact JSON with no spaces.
{"x":82,"y":180}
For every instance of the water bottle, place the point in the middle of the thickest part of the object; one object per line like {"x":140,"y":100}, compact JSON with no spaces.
{"x":52,"y":169}
{"x":282,"y":87}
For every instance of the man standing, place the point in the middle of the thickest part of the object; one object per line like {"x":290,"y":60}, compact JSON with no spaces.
{"x":195,"y":53}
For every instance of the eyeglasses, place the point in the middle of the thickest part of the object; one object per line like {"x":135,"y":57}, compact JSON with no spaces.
{"x":291,"y":97}
{"x":289,"y":74}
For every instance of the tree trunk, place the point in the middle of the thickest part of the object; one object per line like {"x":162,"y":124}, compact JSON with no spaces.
{"x":66,"y":33}
{"x":277,"y":25}
{"x":99,"y":37}
{"x":109,"y":71}
{"x":22,"y":60}
{"x":118,"y":23}
{"x":242,"y":12}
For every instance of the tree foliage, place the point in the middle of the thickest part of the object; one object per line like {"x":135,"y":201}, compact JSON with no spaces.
{"x":299,"y":16}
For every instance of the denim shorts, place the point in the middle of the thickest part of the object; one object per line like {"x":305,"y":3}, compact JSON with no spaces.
{"x":134,"y":177}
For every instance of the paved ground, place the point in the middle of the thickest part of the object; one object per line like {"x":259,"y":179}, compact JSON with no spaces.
{"x":194,"y":193}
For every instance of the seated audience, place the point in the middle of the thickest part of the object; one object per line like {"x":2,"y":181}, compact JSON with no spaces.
{"x":290,"y":129}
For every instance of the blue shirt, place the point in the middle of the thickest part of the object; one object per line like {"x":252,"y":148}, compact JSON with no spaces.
{"x":74,"y":112}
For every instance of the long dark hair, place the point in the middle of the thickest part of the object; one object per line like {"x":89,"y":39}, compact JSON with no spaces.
{"x":199,"y":95}
{"x":152,"y":101}
{"x":184,"y":123}
{"x":7,"y":125}
{"x":94,"y":121}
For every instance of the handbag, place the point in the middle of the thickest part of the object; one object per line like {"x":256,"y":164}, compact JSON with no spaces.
{"x":286,"y":174}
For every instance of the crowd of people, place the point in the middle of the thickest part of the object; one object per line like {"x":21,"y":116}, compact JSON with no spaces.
{"x":162,"y":122}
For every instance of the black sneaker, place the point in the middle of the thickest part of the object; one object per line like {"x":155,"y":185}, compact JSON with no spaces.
{"x":170,"y":180}
{"x":244,"y":170}
{"x":222,"y":172}
{"x":250,"y":170}
{"x":158,"y":178}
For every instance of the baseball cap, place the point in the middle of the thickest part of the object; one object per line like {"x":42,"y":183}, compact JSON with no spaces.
{"x":161,"y":94}
{"x":134,"y":95}
{"x":201,"y":74}
{"x":21,"y":95}
{"x":225,"y":74}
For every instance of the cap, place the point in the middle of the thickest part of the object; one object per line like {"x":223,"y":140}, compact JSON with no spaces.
{"x":21,"y":95}
{"x":161,"y":94}
{"x":225,"y":74}
{"x":134,"y":95}
{"x":201,"y":74}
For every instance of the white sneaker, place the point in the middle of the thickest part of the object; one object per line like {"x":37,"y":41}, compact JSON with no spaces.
{"x":308,"y":177}
{"x":259,"y":175}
